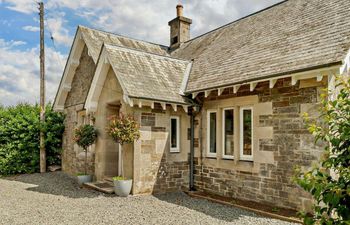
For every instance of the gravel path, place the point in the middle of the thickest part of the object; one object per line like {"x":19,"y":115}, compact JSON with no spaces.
{"x":54,"y":198}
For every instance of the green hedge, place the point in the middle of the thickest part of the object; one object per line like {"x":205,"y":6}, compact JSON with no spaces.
{"x":19,"y":138}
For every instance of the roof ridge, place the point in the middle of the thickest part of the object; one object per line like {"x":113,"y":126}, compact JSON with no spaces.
{"x":147,"y":53}
{"x":124,"y":36}
{"x":237,"y":20}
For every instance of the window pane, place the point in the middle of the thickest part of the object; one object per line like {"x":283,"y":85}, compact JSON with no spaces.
{"x":228,"y":132}
{"x":247,"y":132}
{"x":212,"y":128}
{"x":173,"y":133}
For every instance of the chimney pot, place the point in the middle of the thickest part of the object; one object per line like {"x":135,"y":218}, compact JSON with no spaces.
{"x":179,"y":10}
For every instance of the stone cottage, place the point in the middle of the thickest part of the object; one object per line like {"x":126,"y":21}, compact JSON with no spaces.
{"x":221,"y":112}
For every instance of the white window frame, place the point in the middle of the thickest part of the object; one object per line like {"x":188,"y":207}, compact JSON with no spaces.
{"x":223,"y":133}
{"x":210,"y":154}
{"x":245,"y":157}
{"x":177,"y":149}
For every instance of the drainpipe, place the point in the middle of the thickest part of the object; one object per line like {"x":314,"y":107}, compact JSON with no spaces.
{"x":193,"y":112}
{"x":192,"y":153}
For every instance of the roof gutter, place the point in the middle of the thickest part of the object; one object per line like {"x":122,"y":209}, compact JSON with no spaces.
{"x":160,"y":100}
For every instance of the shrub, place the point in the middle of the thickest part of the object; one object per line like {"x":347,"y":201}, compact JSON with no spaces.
{"x":123,"y":129}
{"x":53,"y":129}
{"x":329,"y":183}
{"x":84,"y":136}
{"x":19,"y":138}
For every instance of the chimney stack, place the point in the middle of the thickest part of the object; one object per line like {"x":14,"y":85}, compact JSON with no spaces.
{"x":179,"y":28}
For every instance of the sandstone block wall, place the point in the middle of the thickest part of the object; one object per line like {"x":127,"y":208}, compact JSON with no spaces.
{"x":73,"y":157}
{"x":155,"y":168}
{"x":106,"y":160}
{"x":281,"y":141}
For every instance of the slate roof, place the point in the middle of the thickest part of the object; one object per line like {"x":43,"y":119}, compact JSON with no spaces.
{"x":147,"y":75}
{"x":95,"y":38}
{"x":291,"y":36}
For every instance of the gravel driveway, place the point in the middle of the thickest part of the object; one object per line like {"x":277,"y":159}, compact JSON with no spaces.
{"x":54,"y":198}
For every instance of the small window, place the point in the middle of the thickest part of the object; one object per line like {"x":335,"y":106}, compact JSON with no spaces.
{"x":174,"y":134}
{"x":228,"y":133}
{"x":246,"y":133}
{"x":174,"y":40}
{"x":211,"y":131}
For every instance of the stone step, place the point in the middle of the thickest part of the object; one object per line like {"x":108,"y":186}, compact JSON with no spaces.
{"x":101,"y":186}
{"x":108,"y":180}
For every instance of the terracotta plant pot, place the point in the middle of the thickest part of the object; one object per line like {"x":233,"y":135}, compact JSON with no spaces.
{"x":84,"y":179}
{"x":122,"y":187}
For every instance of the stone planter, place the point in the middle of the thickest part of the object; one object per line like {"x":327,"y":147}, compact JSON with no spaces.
{"x":84,"y":179}
{"x":122,"y":187}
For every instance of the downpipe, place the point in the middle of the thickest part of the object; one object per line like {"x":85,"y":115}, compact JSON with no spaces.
{"x":194,"y":111}
{"x":192,"y":154}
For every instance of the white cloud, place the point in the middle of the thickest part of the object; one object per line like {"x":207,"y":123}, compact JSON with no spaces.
{"x":19,"y":74}
{"x":23,"y":6}
{"x":59,"y":32}
{"x":142,"y":19}
{"x":18,"y":43}
{"x":7,"y":23}
{"x":31,"y":28}
{"x":10,"y":44}
{"x":55,"y":21}
{"x":147,"y":20}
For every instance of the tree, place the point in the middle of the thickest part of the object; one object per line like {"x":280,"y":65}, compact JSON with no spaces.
{"x":123,"y":130}
{"x":329,"y":183}
{"x":85,"y":136}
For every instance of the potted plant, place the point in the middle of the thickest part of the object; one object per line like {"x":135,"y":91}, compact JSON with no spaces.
{"x":124,"y":130}
{"x":85,"y":136}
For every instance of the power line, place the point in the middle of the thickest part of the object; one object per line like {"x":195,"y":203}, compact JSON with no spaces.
{"x":53,"y":43}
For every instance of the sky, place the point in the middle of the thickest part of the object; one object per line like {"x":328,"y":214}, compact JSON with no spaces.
{"x":141,"y":19}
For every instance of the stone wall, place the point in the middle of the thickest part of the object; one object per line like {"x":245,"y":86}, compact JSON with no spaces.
{"x":82,"y":80}
{"x":109,"y":104}
{"x":156,"y":169}
{"x":281,"y":141}
{"x":149,"y":161}
{"x":73,"y":157}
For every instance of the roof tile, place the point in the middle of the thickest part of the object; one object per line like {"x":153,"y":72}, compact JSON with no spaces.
{"x":147,"y":75}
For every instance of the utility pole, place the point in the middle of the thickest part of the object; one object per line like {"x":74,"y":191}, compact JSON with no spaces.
{"x":42,"y":90}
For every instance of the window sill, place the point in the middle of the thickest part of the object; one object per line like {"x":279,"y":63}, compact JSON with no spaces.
{"x":227,"y":157}
{"x":175,"y":151}
{"x":246,"y":160}
{"x":211,"y":156}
